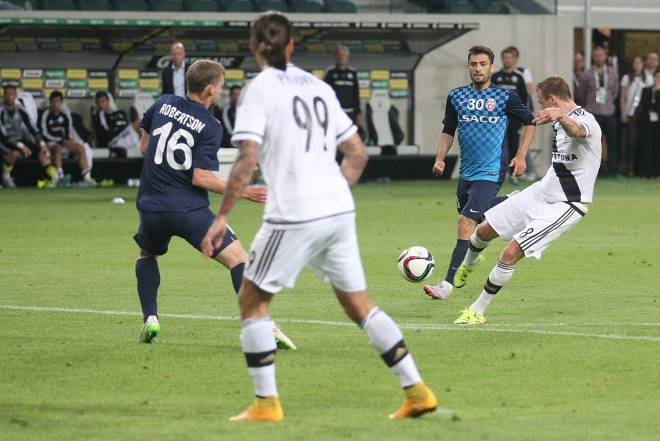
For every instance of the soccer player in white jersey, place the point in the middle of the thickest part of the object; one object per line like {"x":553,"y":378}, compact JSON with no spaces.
{"x":536,"y":217}
{"x":292,"y":123}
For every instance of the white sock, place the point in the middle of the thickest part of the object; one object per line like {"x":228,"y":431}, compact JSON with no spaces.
{"x":475,"y":247}
{"x":87,"y":176}
{"x":60,"y":173}
{"x":259,"y":346}
{"x":89,"y":154}
{"x":6,"y":175}
{"x":387,"y":339}
{"x":497,"y":279}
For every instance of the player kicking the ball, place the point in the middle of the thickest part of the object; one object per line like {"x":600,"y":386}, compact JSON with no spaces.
{"x":294,"y":124}
{"x":180,"y":143}
{"x":536,"y":217}
{"x":480,"y":112}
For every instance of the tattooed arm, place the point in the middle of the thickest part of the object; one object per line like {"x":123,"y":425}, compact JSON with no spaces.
{"x":239,"y":178}
{"x":355,"y":159}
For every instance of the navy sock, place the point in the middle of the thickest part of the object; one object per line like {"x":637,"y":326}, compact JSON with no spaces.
{"x":456,"y":259}
{"x":237,"y":276}
{"x":148,"y":281}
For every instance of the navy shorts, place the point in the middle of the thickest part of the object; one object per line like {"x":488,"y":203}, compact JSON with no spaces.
{"x":474,"y":198}
{"x":157,"y":228}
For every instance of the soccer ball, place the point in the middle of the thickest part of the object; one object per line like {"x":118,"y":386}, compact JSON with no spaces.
{"x":416,"y":264}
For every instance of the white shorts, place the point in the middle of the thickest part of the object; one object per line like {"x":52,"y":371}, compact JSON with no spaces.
{"x":532,"y":221}
{"x":328,"y":246}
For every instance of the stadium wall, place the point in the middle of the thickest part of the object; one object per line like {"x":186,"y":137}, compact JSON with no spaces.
{"x":545,"y":43}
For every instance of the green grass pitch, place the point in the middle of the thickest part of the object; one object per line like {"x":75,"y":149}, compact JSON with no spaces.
{"x":571,"y":350}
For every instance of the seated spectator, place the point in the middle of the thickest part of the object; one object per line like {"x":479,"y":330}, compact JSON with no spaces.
{"x":112,"y":127}
{"x":6,"y":146}
{"x":57,"y":130}
{"x":25,"y":139}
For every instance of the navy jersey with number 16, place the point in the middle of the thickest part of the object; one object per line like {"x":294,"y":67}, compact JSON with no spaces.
{"x":183,"y":136}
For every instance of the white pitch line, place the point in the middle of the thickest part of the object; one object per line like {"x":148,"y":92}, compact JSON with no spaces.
{"x":421,"y":326}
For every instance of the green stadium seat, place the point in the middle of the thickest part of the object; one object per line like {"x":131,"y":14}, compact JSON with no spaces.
{"x":59,"y":5}
{"x":461,"y":7}
{"x":240,"y":6}
{"x":166,"y":5}
{"x":340,"y":6}
{"x":202,"y":6}
{"x":131,"y":5}
{"x":95,"y":5}
{"x":306,"y":6}
{"x":272,"y":5}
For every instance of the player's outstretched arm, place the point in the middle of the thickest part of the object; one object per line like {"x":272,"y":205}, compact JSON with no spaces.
{"x":519,"y":163}
{"x":355,"y":159}
{"x":239,"y":178}
{"x":207,"y":180}
{"x":552,"y":114}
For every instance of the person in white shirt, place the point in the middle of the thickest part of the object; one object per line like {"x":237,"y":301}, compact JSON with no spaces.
{"x":292,"y":124}
{"x":174,"y":76}
{"x":537,"y":216}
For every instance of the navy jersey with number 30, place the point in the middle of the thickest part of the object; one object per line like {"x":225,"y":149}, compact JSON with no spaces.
{"x":183,"y":136}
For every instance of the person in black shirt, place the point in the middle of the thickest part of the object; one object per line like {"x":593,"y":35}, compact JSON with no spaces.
{"x":648,"y":114}
{"x":16,"y":121}
{"x":112,"y":127}
{"x":57,"y":130}
{"x":227,"y":115}
{"x":344,"y":80}
{"x":509,"y":78}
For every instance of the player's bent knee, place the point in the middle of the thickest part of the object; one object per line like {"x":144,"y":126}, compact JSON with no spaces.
{"x":145,"y":255}
{"x":486,"y":232}
{"x":512,"y":253}
{"x":232,"y":255}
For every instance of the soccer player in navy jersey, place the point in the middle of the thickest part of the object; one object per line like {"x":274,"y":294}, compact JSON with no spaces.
{"x":180,"y":143}
{"x":480,"y":111}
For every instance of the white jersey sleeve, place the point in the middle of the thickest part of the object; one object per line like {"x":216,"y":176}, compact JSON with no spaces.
{"x":575,"y":162}
{"x":251,"y":115}
{"x":298,"y":123}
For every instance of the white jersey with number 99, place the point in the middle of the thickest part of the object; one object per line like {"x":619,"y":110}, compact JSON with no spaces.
{"x":298,"y":122}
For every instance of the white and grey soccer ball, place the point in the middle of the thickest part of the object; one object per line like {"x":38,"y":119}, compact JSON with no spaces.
{"x":416,"y":264}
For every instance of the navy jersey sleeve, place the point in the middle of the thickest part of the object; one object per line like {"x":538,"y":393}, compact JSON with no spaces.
{"x":148,"y":116}
{"x":451,"y":118}
{"x":516,"y":108}
{"x":206,"y":153}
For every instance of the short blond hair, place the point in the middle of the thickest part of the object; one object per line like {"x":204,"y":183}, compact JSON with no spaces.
{"x":203,"y":73}
{"x":554,"y":85}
